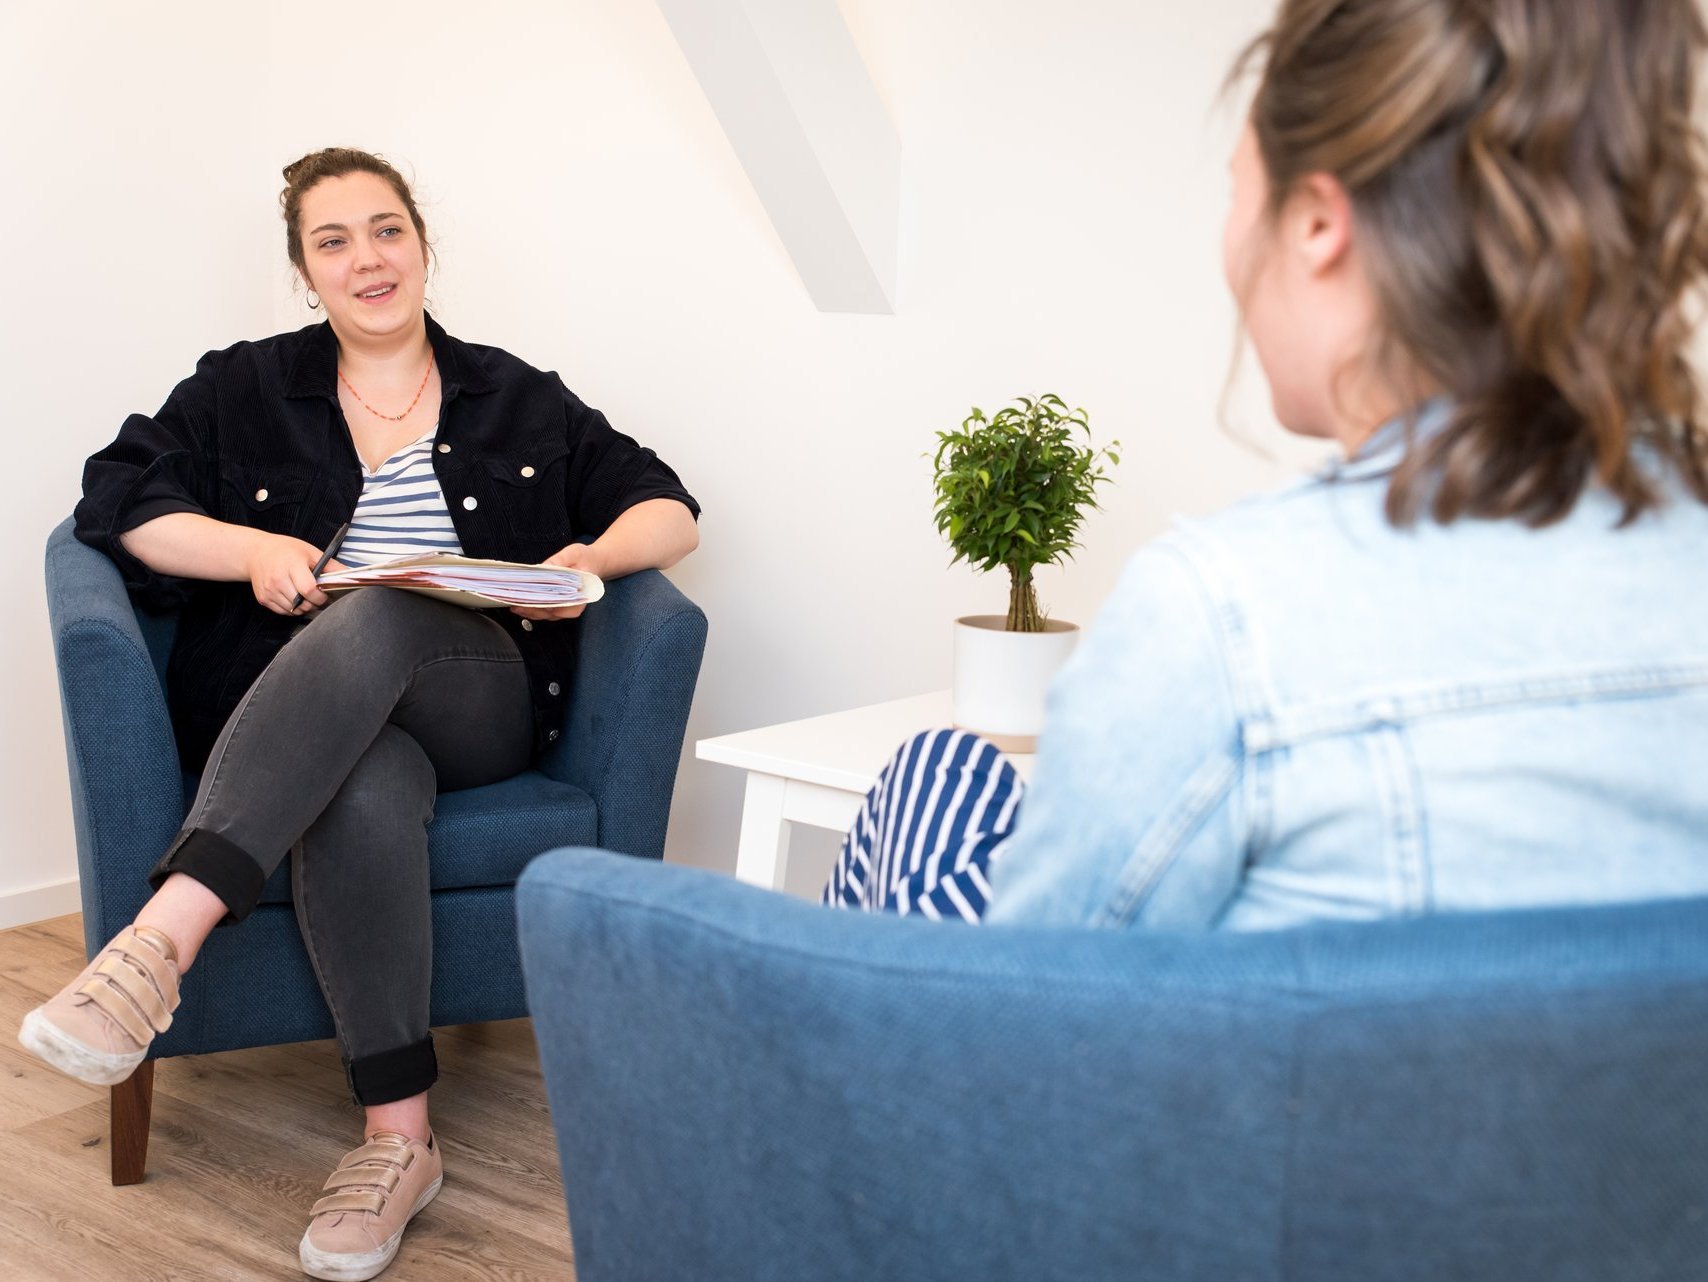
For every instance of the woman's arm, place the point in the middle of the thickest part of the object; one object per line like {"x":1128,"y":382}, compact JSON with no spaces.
{"x":651,"y":535}
{"x":189,"y":546}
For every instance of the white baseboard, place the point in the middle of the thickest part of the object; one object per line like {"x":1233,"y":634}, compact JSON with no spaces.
{"x":38,"y":903}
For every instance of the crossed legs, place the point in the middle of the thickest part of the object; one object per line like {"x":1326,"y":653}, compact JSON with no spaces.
{"x":335,"y":755}
{"x":930,"y":829}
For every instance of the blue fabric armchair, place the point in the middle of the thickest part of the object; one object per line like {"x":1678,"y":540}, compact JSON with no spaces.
{"x":749,"y":1087}
{"x":608,"y":781}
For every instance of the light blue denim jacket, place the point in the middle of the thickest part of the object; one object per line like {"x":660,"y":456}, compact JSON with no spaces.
{"x":1293,"y":711}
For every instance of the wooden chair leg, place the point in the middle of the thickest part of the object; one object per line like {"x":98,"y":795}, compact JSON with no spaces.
{"x":133,"y":1102}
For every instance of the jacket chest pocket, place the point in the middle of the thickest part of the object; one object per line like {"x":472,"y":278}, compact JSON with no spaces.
{"x":275,"y":499}
{"x":526,"y":488}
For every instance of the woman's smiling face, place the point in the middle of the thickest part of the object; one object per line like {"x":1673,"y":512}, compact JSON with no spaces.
{"x":363,"y":256}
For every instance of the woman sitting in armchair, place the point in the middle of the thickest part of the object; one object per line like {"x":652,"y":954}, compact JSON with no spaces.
{"x":1467,"y":666}
{"x":326,"y":729}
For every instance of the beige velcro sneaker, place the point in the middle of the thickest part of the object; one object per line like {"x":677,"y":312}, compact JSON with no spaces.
{"x":356,"y":1228}
{"x":98,"y":1027}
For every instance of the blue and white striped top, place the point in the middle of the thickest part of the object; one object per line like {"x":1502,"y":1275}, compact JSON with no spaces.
{"x":402,"y":511}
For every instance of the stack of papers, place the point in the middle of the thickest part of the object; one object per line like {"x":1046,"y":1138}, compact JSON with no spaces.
{"x":480,"y":585}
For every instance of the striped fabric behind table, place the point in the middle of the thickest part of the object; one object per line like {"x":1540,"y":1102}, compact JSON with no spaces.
{"x":402,"y":511}
{"x":930,"y":829}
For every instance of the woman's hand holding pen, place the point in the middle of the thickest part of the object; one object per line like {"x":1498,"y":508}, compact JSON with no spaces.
{"x":577,"y":556}
{"x":192,"y":546}
{"x":281,"y":572}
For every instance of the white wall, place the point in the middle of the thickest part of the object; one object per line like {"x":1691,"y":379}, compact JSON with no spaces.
{"x":133,"y":243}
{"x":1062,"y":197}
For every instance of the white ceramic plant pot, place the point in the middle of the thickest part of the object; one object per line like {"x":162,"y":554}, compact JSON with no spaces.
{"x":1001,"y":677}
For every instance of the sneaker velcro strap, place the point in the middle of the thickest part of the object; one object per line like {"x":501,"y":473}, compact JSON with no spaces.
{"x":121,"y":972}
{"x":386,"y":1177}
{"x":380,"y":1151}
{"x":118,"y":1008}
{"x":373,"y":1203}
{"x":137,"y":944}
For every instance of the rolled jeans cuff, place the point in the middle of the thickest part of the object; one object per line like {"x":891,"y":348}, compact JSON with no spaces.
{"x":222,"y":866}
{"x":393,"y":1075}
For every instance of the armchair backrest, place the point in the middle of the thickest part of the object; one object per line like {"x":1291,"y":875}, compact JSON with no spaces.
{"x":746,"y":1086}
{"x":635,"y":674}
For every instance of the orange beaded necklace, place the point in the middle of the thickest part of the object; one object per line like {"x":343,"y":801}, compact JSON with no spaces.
{"x":392,"y":418}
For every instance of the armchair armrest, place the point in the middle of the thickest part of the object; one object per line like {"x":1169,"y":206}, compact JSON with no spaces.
{"x":126,"y":789}
{"x":842,"y":1096}
{"x":628,"y":710}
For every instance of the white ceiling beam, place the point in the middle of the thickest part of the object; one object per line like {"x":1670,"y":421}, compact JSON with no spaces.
{"x":788,"y":85}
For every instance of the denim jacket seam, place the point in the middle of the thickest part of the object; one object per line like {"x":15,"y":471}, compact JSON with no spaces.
{"x":1241,"y":652}
{"x":1243,"y":658}
{"x":1212,"y":777}
{"x":1400,"y":797}
{"x":1165,"y":840}
{"x":1371,"y":710}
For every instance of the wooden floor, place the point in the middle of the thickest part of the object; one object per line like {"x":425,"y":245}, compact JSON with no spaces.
{"x":241,"y":1144}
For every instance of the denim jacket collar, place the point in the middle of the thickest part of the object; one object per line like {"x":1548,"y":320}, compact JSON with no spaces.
{"x":1382,"y":451}
{"x":315,"y":371}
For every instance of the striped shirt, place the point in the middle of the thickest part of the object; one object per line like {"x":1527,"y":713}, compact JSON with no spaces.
{"x":402,"y":511}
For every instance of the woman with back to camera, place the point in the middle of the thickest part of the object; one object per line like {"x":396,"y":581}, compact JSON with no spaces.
{"x":330,"y":727}
{"x":1467,"y":666}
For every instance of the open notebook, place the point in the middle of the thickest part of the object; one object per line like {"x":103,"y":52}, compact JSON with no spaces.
{"x":466,"y":581}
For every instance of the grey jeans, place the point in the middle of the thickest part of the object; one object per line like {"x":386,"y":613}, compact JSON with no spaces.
{"x":335,"y":755}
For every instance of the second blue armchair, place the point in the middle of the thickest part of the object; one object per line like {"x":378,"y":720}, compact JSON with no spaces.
{"x":749,"y":1088}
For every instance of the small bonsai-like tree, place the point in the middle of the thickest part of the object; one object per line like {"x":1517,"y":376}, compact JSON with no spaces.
{"x":1012,"y":490}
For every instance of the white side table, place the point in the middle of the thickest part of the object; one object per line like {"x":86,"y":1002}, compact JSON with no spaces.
{"x":815,"y":772}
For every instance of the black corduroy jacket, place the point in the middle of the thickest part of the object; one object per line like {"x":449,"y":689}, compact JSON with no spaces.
{"x":256,"y":437}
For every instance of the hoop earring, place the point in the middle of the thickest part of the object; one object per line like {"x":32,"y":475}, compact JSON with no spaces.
{"x":313,"y":301}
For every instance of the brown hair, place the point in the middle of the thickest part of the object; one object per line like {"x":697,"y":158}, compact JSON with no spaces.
{"x":336,"y":162}
{"x":1526,"y":186}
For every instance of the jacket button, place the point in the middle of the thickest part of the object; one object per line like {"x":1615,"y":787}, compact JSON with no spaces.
{"x":551,"y":736}
{"x":470,"y":503}
{"x":527,"y":625}
{"x":527,"y":471}
{"x":554,"y":689}
{"x":260,"y":496}
{"x":444,"y":448}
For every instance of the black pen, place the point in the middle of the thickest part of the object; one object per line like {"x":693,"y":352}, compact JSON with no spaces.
{"x":331,"y":550}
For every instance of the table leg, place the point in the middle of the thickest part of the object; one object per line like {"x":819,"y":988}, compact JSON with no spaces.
{"x":762,"y":858}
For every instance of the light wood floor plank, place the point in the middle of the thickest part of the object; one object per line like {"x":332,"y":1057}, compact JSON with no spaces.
{"x":33,"y":966}
{"x":240,"y":1145}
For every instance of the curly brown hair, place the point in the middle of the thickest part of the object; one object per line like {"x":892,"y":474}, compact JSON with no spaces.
{"x":1527,"y":193}
{"x":335,"y":162}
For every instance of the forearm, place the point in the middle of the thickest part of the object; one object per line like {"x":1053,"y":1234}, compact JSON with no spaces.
{"x":190,"y":546}
{"x":653,"y":535}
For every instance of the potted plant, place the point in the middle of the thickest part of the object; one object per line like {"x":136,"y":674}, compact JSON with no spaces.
{"x":1012,"y":490}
